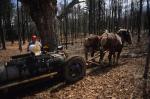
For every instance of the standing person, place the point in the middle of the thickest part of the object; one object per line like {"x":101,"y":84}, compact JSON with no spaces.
{"x":35,"y":46}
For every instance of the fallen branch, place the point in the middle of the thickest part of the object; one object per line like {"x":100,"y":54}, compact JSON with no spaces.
{"x":93,"y":62}
{"x":96,"y":56}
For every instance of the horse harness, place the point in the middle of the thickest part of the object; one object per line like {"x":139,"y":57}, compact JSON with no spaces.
{"x":109,"y":39}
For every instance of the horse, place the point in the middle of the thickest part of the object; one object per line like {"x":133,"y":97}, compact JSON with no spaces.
{"x":91,"y":45}
{"x":113,"y":43}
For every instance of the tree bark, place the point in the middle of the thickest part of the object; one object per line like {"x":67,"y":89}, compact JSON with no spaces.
{"x":0,"y":43}
{"x":145,"y":75}
{"x":2,"y":37}
{"x":18,"y":23}
{"x":148,"y":56}
{"x":90,"y":17}
{"x":140,"y":19}
{"x":43,"y":14}
{"x":66,"y":26}
{"x":23,"y":23}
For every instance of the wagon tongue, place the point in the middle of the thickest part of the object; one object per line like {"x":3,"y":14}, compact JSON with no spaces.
{"x":20,"y":56}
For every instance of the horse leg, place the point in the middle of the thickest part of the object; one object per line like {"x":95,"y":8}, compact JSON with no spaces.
{"x":114,"y":58}
{"x":118,"y":56}
{"x":102,"y":54}
{"x":92,"y":54}
{"x":86,"y":53}
{"x":109,"y":57}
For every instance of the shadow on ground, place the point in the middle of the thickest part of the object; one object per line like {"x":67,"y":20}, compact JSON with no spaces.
{"x":102,"y":69}
{"x":32,"y":88}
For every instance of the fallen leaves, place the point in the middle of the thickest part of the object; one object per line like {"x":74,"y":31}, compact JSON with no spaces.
{"x":107,"y":83}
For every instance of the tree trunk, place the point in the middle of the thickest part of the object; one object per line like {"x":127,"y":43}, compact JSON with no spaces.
{"x":66,"y":26}
{"x":19,"y":32}
{"x":90,"y":17}
{"x":148,"y":56}
{"x":23,"y":23}
{"x":0,"y":43}
{"x":145,"y":93}
{"x":112,"y":16}
{"x":43,"y":14}
{"x":2,"y":37}
{"x":132,"y":17}
{"x":140,"y":19}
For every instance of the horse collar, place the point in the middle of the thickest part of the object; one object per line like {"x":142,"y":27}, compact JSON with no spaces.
{"x":119,"y":38}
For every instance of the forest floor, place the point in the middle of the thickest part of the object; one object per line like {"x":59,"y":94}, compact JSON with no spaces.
{"x":122,"y":81}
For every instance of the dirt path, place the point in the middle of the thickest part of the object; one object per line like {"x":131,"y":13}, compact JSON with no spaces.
{"x":117,"y":82}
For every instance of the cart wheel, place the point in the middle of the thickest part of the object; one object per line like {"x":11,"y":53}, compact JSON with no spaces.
{"x":74,"y":69}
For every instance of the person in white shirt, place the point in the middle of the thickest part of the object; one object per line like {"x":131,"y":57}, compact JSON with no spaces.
{"x":35,"y":46}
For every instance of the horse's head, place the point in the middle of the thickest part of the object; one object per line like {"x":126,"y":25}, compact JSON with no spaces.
{"x":125,"y":35}
{"x":88,"y":41}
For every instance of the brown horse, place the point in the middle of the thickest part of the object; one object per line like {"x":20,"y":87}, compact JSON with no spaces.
{"x":91,"y":44}
{"x":113,"y":42}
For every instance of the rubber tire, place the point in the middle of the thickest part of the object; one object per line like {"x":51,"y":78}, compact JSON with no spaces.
{"x":69,"y":62}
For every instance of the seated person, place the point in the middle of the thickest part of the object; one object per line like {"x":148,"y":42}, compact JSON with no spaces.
{"x":35,"y":46}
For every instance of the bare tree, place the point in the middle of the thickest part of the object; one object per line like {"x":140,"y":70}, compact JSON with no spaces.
{"x":23,"y":23}
{"x":43,"y":13}
{"x":5,"y":24}
{"x":2,"y":37}
{"x":18,"y":23}
{"x":148,"y":55}
{"x":140,"y":19}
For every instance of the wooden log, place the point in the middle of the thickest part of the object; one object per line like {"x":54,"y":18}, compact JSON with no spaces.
{"x":27,"y":80}
{"x":96,"y":56}
{"x":93,"y":62}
